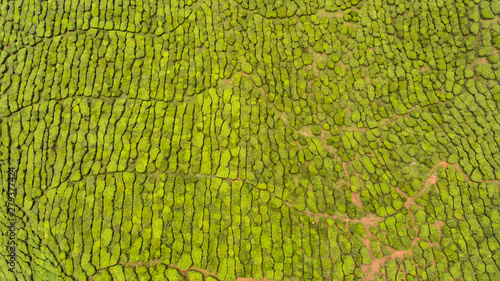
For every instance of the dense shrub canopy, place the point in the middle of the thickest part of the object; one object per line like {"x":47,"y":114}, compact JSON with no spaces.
{"x":278,"y":140}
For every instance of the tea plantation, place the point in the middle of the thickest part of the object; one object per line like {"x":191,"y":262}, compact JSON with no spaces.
{"x":250,"y":140}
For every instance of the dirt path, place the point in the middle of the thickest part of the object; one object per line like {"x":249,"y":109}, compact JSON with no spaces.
{"x":356,"y":200}
{"x":433,"y":178}
{"x":250,"y":279}
{"x":374,"y":267}
{"x":438,"y":225}
{"x":371,"y":269}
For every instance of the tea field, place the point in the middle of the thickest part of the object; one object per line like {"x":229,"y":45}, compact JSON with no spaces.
{"x":250,"y":140}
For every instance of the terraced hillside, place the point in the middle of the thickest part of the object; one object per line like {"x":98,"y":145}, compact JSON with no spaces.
{"x":250,"y":140}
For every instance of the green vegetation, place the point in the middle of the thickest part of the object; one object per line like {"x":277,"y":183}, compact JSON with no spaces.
{"x":286,"y":140}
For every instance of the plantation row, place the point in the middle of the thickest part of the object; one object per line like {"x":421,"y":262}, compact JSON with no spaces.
{"x":199,"y":140}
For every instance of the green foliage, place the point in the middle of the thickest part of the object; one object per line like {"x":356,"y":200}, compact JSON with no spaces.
{"x":486,"y":12}
{"x":173,"y":274}
{"x":252,"y":139}
{"x":246,"y":67}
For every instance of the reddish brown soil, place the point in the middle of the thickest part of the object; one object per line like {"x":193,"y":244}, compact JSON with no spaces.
{"x":374,"y":267}
{"x":433,"y":178}
{"x":370,"y":220}
{"x":402,"y":193}
{"x":185,"y":273}
{"x":356,"y":200}
{"x":250,"y":279}
{"x":439,"y":224}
